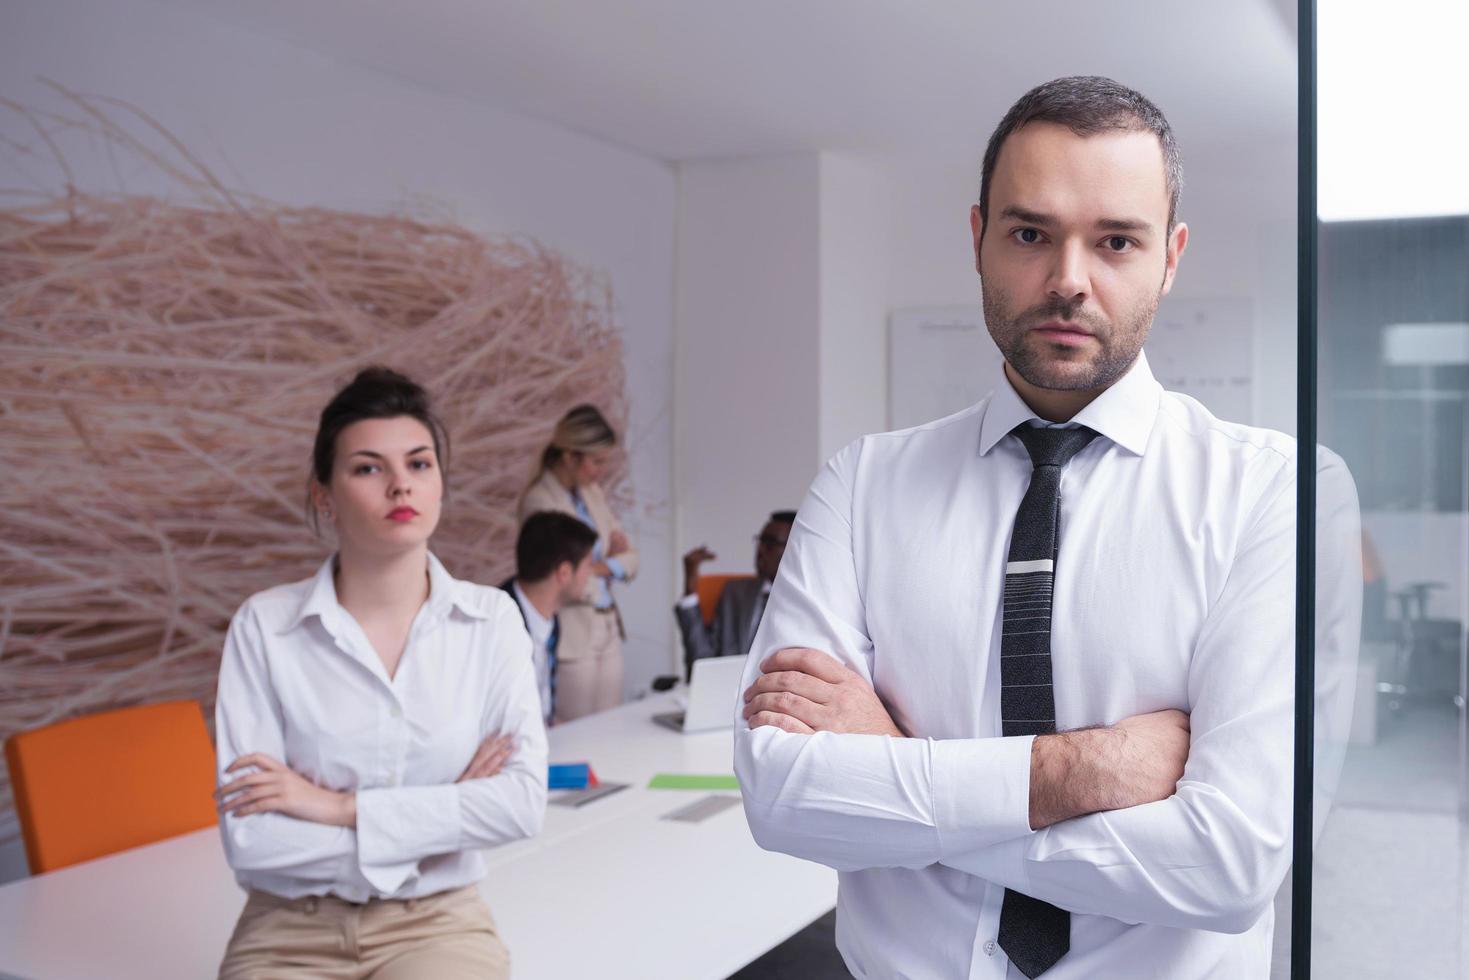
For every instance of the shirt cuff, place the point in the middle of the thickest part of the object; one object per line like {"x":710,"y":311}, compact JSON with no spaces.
{"x":615,"y":567}
{"x":981,"y":791}
{"x":688,"y":602}
{"x":397,"y":828}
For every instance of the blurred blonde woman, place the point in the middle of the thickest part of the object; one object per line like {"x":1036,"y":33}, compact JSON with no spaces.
{"x":589,"y":654}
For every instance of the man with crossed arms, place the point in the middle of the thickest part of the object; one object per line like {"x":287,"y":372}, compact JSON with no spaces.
{"x":1026,"y":677}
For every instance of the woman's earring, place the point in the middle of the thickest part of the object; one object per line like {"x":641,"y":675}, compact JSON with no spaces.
{"x":326,"y":515}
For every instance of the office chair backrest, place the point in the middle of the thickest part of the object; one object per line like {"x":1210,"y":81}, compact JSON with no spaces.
{"x":109,"y":781}
{"x":710,"y":586}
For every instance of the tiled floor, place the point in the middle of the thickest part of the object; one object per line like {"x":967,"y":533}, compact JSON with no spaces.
{"x":1386,"y":902}
{"x":1389,"y":886}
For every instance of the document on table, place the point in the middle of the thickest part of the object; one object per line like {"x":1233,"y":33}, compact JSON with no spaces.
{"x":701,"y":810}
{"x":672,"y":780}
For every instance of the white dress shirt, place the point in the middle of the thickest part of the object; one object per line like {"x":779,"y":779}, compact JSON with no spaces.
{"x":300,"y":681}
{"x":1174,"y":588}
{"x":540,"y":629}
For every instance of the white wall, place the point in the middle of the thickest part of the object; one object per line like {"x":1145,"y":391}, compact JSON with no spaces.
{"x":747,"y":370}
{"x":782,"y":312}
{"x":1240,"y":203}
{"x":854,"y":262}
{"x":303,"y":129}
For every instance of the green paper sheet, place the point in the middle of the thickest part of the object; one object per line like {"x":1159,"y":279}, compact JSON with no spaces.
{"x":669,"y":780}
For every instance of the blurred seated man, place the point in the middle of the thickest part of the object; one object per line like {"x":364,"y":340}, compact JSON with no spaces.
{"x":553,"y":560}
{"x":741,"y":602}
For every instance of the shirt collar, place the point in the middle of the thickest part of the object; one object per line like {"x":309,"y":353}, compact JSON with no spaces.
{"x":444,"y":592}
{"x":320,"y":599}
{"x":538,"y":626}
{"x":1124,"y":413}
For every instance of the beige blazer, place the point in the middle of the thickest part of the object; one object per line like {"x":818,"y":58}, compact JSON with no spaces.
{"x":547,"y":493}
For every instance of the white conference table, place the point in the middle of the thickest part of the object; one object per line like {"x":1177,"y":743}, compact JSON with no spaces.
{"x":609,"y":889}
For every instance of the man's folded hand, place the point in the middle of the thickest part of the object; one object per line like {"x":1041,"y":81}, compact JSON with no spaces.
{"x":807,"y":691}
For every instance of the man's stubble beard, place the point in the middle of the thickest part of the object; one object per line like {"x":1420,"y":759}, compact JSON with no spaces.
{"x":1119,"y":347}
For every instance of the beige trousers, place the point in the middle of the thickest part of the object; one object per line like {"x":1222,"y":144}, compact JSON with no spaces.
{"x":449,"y":935}
{"x":588,"y":662}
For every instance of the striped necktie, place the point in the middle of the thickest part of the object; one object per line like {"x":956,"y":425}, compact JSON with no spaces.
{"x":1034,"y":934}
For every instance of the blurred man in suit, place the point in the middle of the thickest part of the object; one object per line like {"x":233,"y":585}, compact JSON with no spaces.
{"x":553,"y":561}
{"x":741,"y":602}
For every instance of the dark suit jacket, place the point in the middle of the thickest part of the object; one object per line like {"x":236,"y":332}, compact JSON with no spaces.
{"x":732,"y":631}
{"x":508,"y":586}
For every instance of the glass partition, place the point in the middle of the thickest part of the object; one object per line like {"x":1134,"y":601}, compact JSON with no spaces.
{"x":1391,"y":403}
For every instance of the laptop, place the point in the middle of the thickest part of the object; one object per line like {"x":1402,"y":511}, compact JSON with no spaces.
{"x":712,"y":693}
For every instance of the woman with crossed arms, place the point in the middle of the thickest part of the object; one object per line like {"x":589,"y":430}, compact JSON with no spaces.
{"x":377,"y":725}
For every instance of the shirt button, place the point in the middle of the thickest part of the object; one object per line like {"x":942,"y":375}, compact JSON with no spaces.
{"x":989,"y":948}
{"x":397,"y":712}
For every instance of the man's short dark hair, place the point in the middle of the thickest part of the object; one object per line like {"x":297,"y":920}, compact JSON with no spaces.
{"x":548,"y":538}
{"x":1087,"y":105}
{"x":783,"y":517}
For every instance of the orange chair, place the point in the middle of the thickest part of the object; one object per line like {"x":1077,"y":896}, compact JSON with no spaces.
{"x":110,"y":781}
{"x":710,"y":586}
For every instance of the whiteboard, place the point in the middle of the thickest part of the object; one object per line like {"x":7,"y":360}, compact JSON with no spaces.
{"x":1206,"y":348}
{"x":941,"y":359}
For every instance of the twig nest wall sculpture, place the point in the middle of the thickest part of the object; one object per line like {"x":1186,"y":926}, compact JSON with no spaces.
{"x":161,"y":369}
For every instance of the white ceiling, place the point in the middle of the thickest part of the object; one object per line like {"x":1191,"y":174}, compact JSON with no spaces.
{"x":691,"y":79}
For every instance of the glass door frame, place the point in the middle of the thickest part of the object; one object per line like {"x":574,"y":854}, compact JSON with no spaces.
{"x":1307,"y":238}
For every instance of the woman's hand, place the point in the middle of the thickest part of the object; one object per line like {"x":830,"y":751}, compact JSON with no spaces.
{"x":276,"y":788}
{"x":489,"y":758}
{"x":617,"y":544}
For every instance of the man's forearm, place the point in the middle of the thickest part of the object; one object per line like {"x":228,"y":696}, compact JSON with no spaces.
{"x":1066,"y":780}
{"x":1138,"y":760}
{"x":853,"y":801}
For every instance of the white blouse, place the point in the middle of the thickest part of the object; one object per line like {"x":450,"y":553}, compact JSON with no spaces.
{"x":300,"y":682}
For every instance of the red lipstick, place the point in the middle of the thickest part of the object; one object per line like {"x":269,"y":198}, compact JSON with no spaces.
{"x":402,"y":514}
